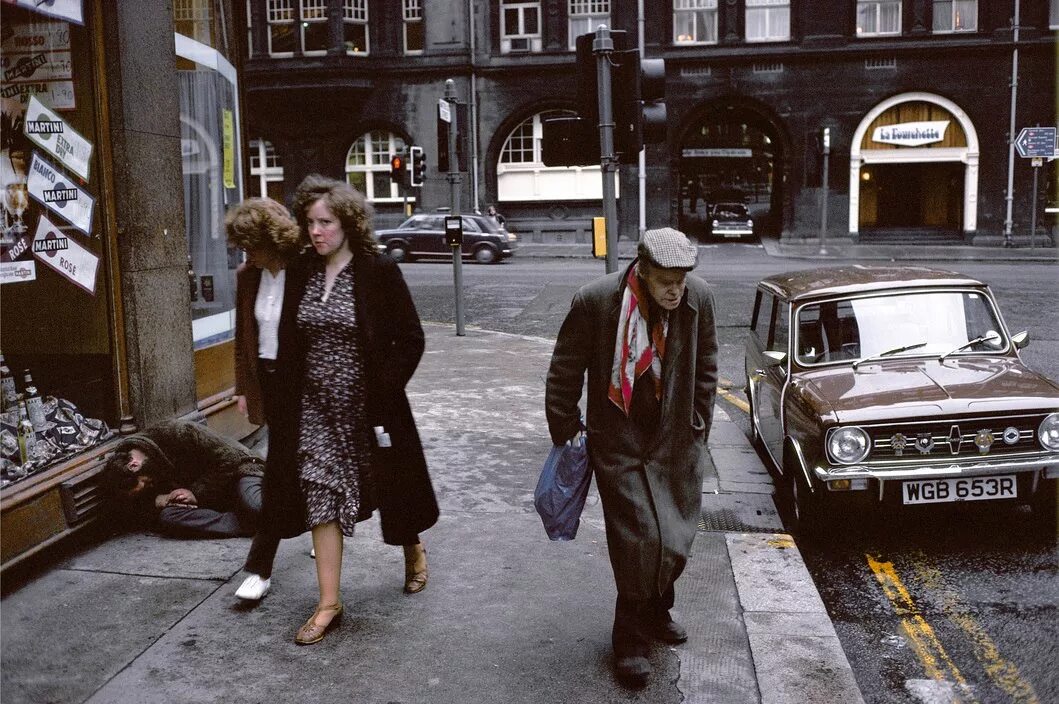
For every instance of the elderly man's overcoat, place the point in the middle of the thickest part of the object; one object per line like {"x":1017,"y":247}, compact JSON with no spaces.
{"x":650,"y":484}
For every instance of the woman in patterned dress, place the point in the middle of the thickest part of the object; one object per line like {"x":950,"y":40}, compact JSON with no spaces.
{"x":349,"y":341}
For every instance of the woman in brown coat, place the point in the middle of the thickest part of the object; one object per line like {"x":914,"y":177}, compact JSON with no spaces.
{"x":345,"y":442}
{"x":263,"y":229}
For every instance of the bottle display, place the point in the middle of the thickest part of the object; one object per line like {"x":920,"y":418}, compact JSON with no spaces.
{"x":7,"y":385}
{"x":34,"y":403}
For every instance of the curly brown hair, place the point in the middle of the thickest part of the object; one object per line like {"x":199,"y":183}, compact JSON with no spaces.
{"x":349,"y":205}
{"x":264,"y":224}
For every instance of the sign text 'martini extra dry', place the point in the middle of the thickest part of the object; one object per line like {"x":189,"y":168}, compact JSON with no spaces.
{"x":51,"y":133}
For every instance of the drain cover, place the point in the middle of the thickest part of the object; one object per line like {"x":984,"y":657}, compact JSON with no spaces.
{"x":739,"y":513}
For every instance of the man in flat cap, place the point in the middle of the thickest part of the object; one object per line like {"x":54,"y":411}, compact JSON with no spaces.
{"x":646,"y":338}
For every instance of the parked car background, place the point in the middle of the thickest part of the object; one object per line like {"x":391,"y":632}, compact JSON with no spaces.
{"x":896,"y":387}
{"x":731,"y":220}
{"x":423,"y":236}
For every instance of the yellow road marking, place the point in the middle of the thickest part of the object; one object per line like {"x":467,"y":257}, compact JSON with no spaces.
{"x":723,"y":386}
{"x":1003,"y":672}
{"x":936,"y":662}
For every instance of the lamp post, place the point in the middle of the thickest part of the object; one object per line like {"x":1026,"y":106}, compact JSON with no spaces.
{"x":826,"y":143}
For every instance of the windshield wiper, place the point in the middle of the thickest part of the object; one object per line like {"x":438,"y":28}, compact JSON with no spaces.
{"x":887,"y":353}
{"x":991,"y":336}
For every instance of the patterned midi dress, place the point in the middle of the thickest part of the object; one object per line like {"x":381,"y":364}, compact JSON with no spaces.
{"x":334,"y":443}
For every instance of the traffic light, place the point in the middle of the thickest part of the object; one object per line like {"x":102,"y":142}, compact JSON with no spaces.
{"x":639,"y":88}
{"x":569,"y":140}
{"x":417,"y":166}
{"x":398,"y":172}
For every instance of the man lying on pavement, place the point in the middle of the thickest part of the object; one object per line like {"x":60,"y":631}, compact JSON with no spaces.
{"x":184,"y":480}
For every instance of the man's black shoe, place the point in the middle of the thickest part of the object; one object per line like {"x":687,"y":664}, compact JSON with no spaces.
{"x":662,"y":627}
{"x":632,"y":670}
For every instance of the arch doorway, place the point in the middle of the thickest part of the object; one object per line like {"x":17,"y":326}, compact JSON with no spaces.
{"x":732,"y":152}
{"x":913,"y":172}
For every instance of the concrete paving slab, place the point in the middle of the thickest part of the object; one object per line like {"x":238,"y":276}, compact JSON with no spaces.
{"x":737,"y":462}
{"x":803,"y":670}
{"x":771,"y":575}
{"x":749,"y":488}
{"x":69,"y":632}
{"x":148,"y":554}
{"x":725,"y":434}
{"x":788,"y":623}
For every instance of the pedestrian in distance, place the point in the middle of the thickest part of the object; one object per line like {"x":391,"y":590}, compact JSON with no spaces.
{"x":185,"y":481}
{"x":270,"y":237}
{"x":344,"y":440}
{"x":646,"y":338}
{"x":491,"y":212}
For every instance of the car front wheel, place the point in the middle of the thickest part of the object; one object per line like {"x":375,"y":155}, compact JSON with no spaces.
{"x":398,"y":251}
{"x":807,"y":508}
{"x":485,"y":255}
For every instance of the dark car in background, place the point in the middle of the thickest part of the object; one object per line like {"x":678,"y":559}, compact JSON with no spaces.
{"x":899,"y":389}
{"x":731,"y":220}
{"x":423,"y":236}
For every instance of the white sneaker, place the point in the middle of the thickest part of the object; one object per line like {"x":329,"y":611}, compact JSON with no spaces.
{"x":253,"y":588}
{"x":312,"y":553}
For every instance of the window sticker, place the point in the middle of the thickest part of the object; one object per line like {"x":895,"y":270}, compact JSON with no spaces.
{"x":65,"y":255}
{"x":59,"y":194}
{"x":72,"y":10}
{"x":51,"y":133}
{"x":18,"y":272}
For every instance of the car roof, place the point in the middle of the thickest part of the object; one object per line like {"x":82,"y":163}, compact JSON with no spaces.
{"x":858,"y":278}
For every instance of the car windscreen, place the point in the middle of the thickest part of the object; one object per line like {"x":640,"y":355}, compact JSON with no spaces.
{"x":934,"y":322}
{"x":730,"y":210}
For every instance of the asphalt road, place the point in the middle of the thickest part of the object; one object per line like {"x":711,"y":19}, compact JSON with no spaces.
{"x":940,"y":606}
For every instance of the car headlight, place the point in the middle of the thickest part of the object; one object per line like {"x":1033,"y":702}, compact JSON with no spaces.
{"x":749,"y":223}
{"x":716,"y":223}
{"x":848,"y":445}
{"x":1048,"y":432}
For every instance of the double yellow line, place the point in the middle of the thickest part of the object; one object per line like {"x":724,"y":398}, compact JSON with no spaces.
{"x":932,"y":655}
{"x":723,"y":390}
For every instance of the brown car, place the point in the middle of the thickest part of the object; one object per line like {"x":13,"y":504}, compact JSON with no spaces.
{"x":896,"y":386}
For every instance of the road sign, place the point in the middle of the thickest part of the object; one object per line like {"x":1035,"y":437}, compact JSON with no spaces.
{"x":1037,"y":162}
{"x":1036,"y":141}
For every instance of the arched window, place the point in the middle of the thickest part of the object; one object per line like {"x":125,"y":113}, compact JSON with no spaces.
{"x":266,"y":173}
{"x":368,"y":165}
{"x":522,"y":176}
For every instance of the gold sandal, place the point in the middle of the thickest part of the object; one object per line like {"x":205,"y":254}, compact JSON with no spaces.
{"x":415,"y":568}
{"x":311,"y":632}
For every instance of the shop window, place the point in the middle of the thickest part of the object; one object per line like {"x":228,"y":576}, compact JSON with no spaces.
{"x":192,"y":19}
{"x":315,"y":34}
{"x":55,"y":320}
{"x":413,"y":26}
{"x":282,"y":39}
{"x":520,"y":27}
{"x":266,"y":172}
{"x":521,"y":174}
{"x":695,"y":21}
{"x":955,"y":16}
{"x":355,"y":26}
{"x":876,"y":18}
{"x":768,"y":20}
{"x":586,"y":16}
{"x":368,"y":165}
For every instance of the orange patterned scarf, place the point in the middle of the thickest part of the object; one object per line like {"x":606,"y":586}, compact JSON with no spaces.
{"x":636,"y":349}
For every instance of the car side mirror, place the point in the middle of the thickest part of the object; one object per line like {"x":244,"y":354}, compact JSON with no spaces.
{"x":775,"y":359}
{"x":1021,"y":339}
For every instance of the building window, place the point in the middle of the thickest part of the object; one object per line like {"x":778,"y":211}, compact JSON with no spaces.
{"x":355,"y":26}
{"x":695,"y":21}
{"x":522,"y":176}
{"x":282,"y":39}
{"x":768,"y":20}
{"x":192,"y":19}
{"x":955,"y":16}
{"x":368,"y":165}
{"x":520,"y":27}
{"x":249,"y":31}
{"x":1053,"y":14}
{"x":413,"y":27}
{"x":315,"y":35}
{"x":585,"y":16}
{"x":878,"y":17}
{"x":266,"y":173}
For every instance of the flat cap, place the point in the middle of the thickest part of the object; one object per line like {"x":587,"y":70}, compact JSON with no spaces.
{"x":669,"y":249}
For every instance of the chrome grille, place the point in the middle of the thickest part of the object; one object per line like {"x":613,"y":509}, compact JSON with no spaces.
{"x":955,"y":438}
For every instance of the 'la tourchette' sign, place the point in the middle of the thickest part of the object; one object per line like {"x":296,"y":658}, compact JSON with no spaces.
{"x":911,"y":134}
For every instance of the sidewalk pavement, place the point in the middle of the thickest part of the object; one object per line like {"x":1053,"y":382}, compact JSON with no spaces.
{"x":837,"y":251}
{"x":507,"y":616}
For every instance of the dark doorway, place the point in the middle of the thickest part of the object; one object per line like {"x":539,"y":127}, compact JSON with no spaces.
{"x":926,"y":197}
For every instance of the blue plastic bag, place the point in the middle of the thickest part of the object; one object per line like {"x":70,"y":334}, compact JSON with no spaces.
{"x":562,"y":489}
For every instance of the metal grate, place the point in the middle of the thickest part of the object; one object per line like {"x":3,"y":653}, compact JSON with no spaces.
{"x":739,"y":513}
{"x":769,"y":67}
{"x":878,"y":64}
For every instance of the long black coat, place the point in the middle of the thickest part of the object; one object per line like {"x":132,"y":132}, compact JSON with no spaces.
{"x":651,"y":485}
{"x":392,"y":339}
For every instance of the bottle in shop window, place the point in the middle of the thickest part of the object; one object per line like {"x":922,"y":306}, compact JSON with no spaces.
{"x":34,"y":403}
{"x":192,"y":281}
{"x":7,"y":385}
{"x":27,"y":439}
